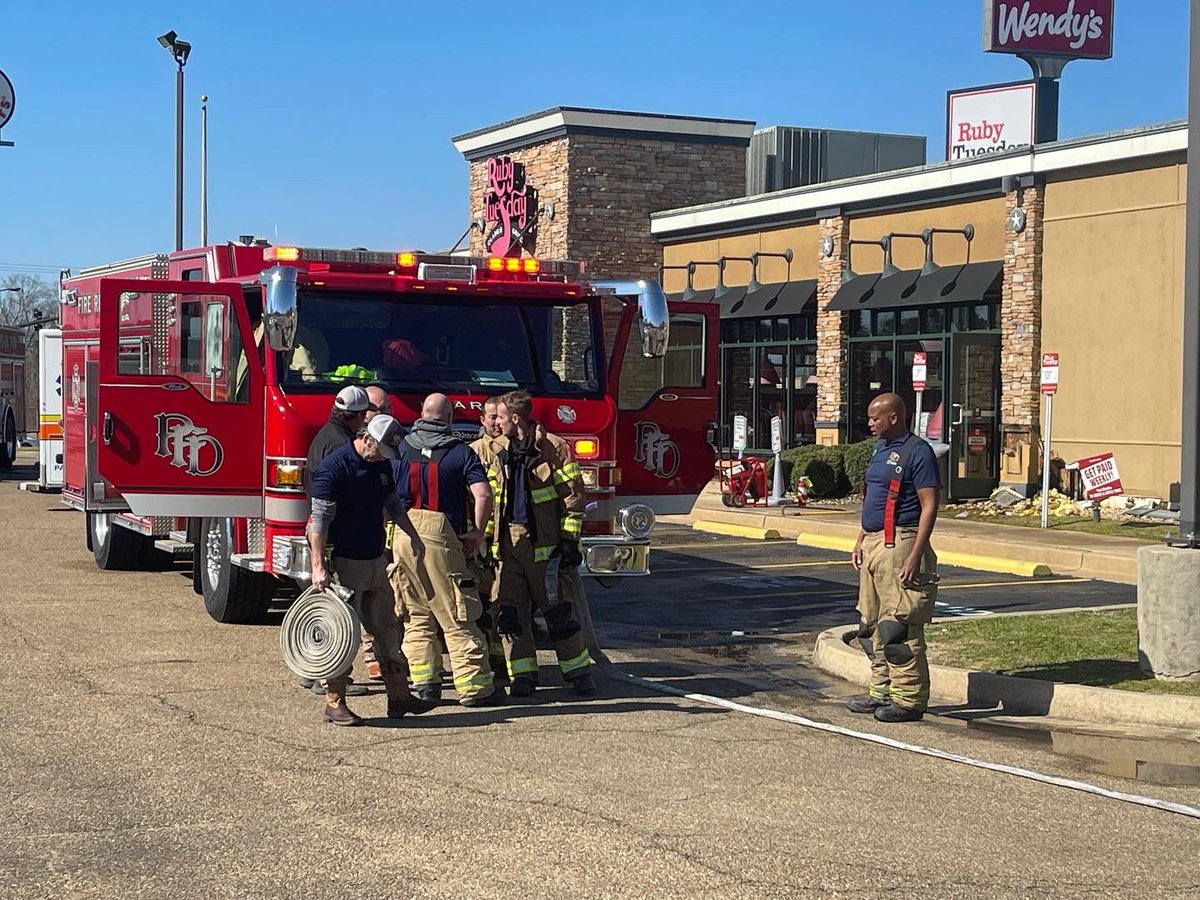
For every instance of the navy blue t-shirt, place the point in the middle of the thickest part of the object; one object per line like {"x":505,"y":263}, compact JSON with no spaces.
{"x":458,"y":469}
{"x":360,"y":489}
{"x":921,"y":471}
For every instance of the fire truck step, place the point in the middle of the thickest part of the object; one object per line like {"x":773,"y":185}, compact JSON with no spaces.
{"x":180,"y":536}
{"x":177,"y":549}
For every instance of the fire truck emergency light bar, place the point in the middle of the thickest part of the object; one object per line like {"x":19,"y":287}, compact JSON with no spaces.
{"x":429,"y":266}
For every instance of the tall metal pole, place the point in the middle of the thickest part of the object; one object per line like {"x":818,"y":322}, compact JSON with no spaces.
{"x":204,"y":170}
{"x":179,"y":157}
{"x":1189,"y":482}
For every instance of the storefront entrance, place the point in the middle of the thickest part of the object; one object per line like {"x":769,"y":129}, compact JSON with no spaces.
{"x":961,"y":402}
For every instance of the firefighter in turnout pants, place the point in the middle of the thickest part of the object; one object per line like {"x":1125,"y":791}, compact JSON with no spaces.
{"x":539,"y":521}
{"x":436,"y":473}
{"x":351,"y":489}
{"x":897,"y":567}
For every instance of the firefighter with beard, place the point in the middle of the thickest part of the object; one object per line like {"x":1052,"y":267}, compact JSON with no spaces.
{"x":539,"y":509}
{"x":442,"y":480}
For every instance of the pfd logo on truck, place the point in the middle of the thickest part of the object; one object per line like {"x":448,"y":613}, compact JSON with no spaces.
{"x":655,"y":450}
{"x":510,"y":209}
{"x":188,"y":447}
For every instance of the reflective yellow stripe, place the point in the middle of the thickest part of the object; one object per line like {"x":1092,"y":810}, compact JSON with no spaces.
{"x":522,"y":666}
{"x":421,"y":670}
{"x":916,"y":696}
{"x":541,"y":554}
{"x":878,"y":691}
{"x":543,"y":495}
{"x":575,"y":662}
{"x":481,"y":679}
{"x":567,"y":472}
{"x":571,"y":525}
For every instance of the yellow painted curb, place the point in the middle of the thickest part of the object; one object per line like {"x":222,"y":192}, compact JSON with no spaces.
{"x":744,"y":531}
{"x":994,"y":564}
{"x":825,"y":542}
{"x":949,"y":558}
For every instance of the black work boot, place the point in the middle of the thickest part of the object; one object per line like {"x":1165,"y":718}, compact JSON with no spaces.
{"x":495,"y":698}
{"x":867,"y":704}
{"x":894,"y":713}
{"x":430,"y":693}
{"x":584,"y":686}
{"x":523,"y":686}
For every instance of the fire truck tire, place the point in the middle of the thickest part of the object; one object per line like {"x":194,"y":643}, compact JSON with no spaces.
{"x":193,"y":536}
{"x":114,"y":548}
{"x":232,"y":595}
{"x":8,"y":448}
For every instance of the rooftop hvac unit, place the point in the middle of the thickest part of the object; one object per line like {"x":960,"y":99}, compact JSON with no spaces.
{"x":784,"y":157}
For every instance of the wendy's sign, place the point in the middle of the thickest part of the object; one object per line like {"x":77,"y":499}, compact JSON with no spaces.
{"x":510,"y":209}
{"x":1075,"y":29}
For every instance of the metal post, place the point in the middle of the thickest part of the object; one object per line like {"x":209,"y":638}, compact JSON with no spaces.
{"x":1047,"y":70}
{"x":204,"y":170}
{"x":1189,"y":482}
{"x":1046,"y":459}
{"x":179,"y":158}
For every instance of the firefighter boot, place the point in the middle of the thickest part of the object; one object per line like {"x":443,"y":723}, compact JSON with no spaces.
{"x":867,"y":705}
{"x":584,"y":686}
{"x":522,"y":686}
{"x":336,"y":710}
{"x":399,"y":699}
{"x":894,"y":713}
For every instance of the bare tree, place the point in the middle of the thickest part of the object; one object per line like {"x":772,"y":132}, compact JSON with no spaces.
{"x":24,"y":300}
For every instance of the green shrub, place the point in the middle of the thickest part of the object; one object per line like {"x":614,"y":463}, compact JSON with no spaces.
{"x":857,"y":459}
{"x":823,"y":467}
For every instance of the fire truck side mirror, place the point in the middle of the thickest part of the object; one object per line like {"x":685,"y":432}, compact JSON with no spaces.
{"x":279,"y":307}
{"x":653,"y":316}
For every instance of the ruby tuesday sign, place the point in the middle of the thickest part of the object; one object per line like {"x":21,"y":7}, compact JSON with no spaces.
{"x":1079,"y":29}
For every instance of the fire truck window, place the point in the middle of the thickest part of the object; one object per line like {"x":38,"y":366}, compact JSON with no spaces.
{"x":191,"y":338}
{"x":681,"y":367}
{"x":214,"y":338}
{"x":449,"y":344}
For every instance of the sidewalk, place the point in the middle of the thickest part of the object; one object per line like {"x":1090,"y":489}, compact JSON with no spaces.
{"x":971,"y":545}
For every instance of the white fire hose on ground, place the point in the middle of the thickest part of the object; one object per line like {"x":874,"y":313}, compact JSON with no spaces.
{"x":321,"y":633}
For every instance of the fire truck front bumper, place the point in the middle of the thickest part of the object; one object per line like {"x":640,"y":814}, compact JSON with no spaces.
{"x":611,"y":557}
{"x":291,"y":558}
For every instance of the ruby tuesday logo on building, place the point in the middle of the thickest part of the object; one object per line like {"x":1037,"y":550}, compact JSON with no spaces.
{"x":1072,"y":28}
{"x":510,"y":209}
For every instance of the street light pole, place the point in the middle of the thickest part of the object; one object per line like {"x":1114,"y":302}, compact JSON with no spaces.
{"x":179,"y":51}
{"x":204,"y":170}
{"x":1189,"y":481}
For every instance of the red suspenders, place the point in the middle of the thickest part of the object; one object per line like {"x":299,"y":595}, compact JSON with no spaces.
{"x":893,"y":492}
{"x":424,"y":496}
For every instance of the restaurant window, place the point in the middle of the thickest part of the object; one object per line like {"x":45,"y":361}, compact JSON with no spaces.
{"x":910,"y":321}
{"x":933,"y":320}
{"x":681,"y":366}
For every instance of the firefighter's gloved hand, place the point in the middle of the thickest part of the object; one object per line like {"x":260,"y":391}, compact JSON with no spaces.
{"x":508,"y":623}
{"x":570,"y":552}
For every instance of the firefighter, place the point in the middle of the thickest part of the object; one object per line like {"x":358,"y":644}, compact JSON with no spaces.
{"x":350,"y":409}
{"x":539,"y":521}
{"x":897,"y":567}
{"x":484,"y":564}
{"x":442,"y":482}
{"x":352,"y":489}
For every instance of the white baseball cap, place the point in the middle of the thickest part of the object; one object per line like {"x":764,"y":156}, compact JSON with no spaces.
{"x":387,"y":433}
{"x":352,"y":399}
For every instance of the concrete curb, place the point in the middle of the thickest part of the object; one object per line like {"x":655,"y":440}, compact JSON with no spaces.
{"x":1018,"y":696}
{"x":734,"y":530}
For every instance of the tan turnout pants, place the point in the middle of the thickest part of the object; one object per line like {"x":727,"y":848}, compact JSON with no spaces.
{"x":440,"y":591}
{"x":376,"y":607}
{"x":894,"y":618}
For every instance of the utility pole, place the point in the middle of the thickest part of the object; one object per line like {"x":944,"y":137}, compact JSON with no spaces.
{"x":179,"y":51}
{"x":204,"y":170}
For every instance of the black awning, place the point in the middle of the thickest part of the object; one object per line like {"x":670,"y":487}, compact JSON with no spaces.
{"x":788,"y":298}
{"x":967,"y":283}
{"x":699,"y":297}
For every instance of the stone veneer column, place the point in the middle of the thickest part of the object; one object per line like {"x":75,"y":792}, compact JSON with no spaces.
{"x":831,"y":339}
{"x":1021,"y":344}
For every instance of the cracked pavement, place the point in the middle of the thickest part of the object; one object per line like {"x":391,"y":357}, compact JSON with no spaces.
{"x":150,"y":752}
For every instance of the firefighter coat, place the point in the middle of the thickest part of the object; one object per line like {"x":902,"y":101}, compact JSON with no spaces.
{"x":556,"y":493}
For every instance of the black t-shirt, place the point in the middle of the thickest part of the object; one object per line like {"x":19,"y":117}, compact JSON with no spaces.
{"x":361,"y":490}
{"x":333,"y":434}
{"x":457,"y":470}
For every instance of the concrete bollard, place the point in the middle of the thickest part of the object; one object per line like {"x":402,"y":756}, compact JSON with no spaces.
{"x":1168,"y":608}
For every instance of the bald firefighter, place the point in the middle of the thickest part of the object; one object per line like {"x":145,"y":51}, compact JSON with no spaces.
{"x":538,"y":525}
{"x":896,"y":565}
{"x":442,"y":482}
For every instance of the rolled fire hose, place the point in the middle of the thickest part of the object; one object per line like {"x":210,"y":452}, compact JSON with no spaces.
{"x":320,"y":633}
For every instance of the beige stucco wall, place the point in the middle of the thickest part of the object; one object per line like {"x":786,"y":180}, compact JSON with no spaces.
{"x":1112,"y":308}
{"x":948,"y":249}
{"x":801,"y":239}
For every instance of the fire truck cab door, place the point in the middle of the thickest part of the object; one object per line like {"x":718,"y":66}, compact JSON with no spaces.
{"x":180,"y":399}
{"x":664,"y":410}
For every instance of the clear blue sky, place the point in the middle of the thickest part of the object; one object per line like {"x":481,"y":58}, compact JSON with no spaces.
{"x":331,"y":122}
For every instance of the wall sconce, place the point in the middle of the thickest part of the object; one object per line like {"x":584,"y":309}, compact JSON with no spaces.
{"x":690,"y":293}
{"x":722,"y":289}
{"x":663,"y":268}
{"x":547,"y":210}
{"x":755,"y":257}
{"x":848,"y":274}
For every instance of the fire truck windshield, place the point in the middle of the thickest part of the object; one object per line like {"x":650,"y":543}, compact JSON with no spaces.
{"x":452,"y":344}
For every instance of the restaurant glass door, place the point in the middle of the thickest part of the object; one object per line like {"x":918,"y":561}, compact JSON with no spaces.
{"x":973,"y":415}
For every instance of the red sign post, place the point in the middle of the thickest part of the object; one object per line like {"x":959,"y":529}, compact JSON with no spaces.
{"x":1049,"y":389}
{"x":1049,"y":373}
{"x":920,"y":370}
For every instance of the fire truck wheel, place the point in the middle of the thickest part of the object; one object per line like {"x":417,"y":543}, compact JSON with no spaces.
{"x":193,"y":536}
{"x":115,"y":549}
{"x":8,"y":449}
{"x":232,"y":595}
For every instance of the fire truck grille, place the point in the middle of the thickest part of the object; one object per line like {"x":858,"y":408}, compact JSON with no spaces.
{"x":255,"y":542}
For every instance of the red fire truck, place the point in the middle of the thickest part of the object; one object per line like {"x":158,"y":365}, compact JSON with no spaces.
{"x":194,"y":382}
{"x":12,"y":393}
